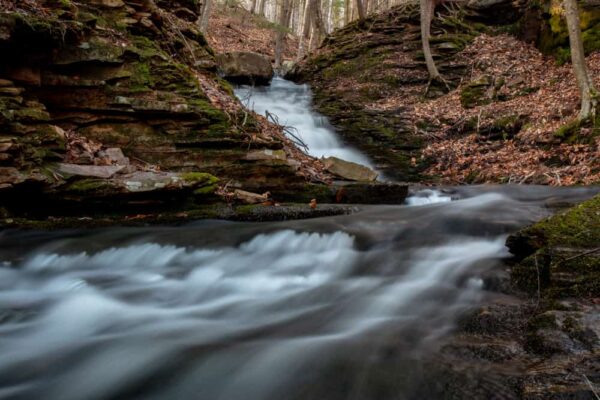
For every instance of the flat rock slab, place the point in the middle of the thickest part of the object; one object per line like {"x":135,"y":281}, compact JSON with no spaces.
{"x":95,"y":171}
{"x":349,"y":170}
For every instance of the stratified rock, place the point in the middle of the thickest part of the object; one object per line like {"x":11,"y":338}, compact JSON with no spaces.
{"x":267,"y":154}
{"x":245,"y":67}
{"x":349,"y":170}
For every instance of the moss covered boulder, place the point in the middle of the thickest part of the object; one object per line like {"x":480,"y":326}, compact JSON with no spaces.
{"x":560,"y":255}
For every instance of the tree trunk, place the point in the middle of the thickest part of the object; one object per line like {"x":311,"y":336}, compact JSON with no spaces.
{"x":328,"y":21}
{"x":360,"y":7}
{"x":261,"y":7}
{"x":586,"y":85}
{"x":284,"y":20}
{"x":254,"y":6}
{"x":427,"y":7}
{"x":347,"y":11}
{"x":306,"y":23}
{"x":317,"y":19}
{"x":205,"y":17}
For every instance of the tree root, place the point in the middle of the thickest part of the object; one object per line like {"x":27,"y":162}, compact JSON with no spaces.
{"x":438,"y":79}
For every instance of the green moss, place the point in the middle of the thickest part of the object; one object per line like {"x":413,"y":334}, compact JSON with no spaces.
{"x":226,"y":86}
{"x":89,"y":186}
{"x":141,"y":79}
{"x":571,"y":132}
{"x":199,"y":177}
{"x":554,"y":37}
{"x":473,"y":96}
{"x":204,"y":190}
{"x":558,"y":273}
{"x":578,"y":227}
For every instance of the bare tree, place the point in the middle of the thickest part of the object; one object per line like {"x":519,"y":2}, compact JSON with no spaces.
{"x":589,"y":95}
{"x":261,"y":7}
{"x":306,"y":24}
{"x":205,"y":16}
{"x":360,"y":7}
{"x":347,"y":11}
{"x":284,"y":20}
{"x":319,"y":31}
{"x":427,"y":8}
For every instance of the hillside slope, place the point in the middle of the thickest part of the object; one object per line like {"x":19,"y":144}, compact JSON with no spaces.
{"x":502,"y":120}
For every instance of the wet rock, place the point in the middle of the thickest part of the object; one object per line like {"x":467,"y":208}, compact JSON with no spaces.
{"x":349,"y":170}
{"x":245,"y":67}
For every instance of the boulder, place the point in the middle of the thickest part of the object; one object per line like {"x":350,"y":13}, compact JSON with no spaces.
{"x":245,"y":67}
{"x":349,"y":170}
{"x":286,"y":67}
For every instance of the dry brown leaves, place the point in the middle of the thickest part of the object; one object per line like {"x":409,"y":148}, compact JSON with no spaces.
{"x":546,"y":94}
{"x":235,"y":29}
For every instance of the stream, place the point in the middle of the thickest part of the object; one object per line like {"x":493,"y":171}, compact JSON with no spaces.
{"x":292,"y":104}
{"x":343,"y":307}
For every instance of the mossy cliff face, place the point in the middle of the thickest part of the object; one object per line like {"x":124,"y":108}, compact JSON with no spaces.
{"x":362,"y":65}
{"x":553,"y":35}
{"x":129,"y":75}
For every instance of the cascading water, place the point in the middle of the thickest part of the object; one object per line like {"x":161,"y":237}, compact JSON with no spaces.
{"x":333,"y":308}
{"x":291,"y":103}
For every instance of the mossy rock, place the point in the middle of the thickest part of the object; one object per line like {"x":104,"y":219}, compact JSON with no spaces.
{"x":477,"y":92}
{"x":579,"y":131}
{"x":555,"y":253}
{"x":504,"y":127}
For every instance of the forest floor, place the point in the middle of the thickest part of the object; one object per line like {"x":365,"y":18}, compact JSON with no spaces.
{"x":236,"y":29}
{"x":541,"y":95}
